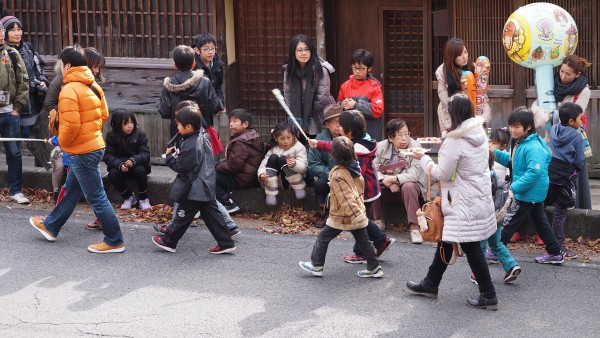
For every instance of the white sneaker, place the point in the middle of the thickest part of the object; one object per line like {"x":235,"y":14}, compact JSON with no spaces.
{"x":20,"y":198}
{"x":145,"y":204}
{"x":415,"y":236}
{"x":128,"y":203}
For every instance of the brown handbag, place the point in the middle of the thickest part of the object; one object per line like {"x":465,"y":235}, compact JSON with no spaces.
{"x":433,"y":214}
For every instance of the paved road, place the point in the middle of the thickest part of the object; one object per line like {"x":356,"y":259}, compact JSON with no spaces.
{"x":61,"y":290}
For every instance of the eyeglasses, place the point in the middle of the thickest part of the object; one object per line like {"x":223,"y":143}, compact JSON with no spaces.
{"x":403,"y":135}
{"x":360,"y":69}
{"x":208,"y":49}
{"x":304,"y":50}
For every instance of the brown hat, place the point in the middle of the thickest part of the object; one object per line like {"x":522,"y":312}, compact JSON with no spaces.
{"x":331,"y":111}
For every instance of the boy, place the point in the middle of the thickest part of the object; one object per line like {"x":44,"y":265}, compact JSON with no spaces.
{"x":206,"y":58}
{"x":363,"y":92}
{"x":321,"y":162}
{"x":188,"y":85}
{"x":195,"y":146}
{"x":528,"y":160}
{"x":353,"y":125}
{"x":568,"y":158}
{"x":243,"y":156}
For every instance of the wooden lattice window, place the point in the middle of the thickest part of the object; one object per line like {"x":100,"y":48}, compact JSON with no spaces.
{"x":42,"y":24}
{"x":264,"y":29}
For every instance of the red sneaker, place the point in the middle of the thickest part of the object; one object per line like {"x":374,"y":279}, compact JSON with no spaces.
{"x":217,"y":250}
{"x":386,"y":245}
{"x":539,"y":240}
{"x":515,"y":237}
{"x":354,"y":259}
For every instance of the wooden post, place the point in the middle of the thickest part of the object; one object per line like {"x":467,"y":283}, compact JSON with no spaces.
{"x":320,"y":22}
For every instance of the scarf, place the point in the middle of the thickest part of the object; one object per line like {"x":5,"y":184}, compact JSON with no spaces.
{"x":454,"y":87}
{"x":301,"y":103}
{"x":354,"y":169}
{"x":574,"y":87}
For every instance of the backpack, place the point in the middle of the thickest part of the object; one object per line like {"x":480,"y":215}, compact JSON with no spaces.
{"x":53,"y":122}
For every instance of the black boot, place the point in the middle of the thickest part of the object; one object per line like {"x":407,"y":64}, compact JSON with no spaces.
{"x":422,"y":289}
{"x":482,"y":302}
{"x":321,"y":220}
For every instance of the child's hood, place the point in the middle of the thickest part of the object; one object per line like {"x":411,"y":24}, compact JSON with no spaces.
{"x":182,"y":82}
{"x":364,"y":147}
{"x":470,"y":130}
{"x":563,"y":135}
{"x":250,"y":138}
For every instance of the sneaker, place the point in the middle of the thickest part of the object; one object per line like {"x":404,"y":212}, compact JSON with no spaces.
{"x":415,"y":236}
{"x":386,"y":245}
{"x":375,"y":273}
{"x":422,"y":289}
{"x":568,"y":254}
{"x":105,"y":248}
{"x":539,"y":241}
{"x":129,"y":202}
{"x":482,"y":302}
{"x":162,"y":228}
{"x":512,"y":274}
{"x":354,"y":259}
{"x":38,"y":223}
{"x":473,"y":279}
{"x":145,"y":204}
{"x":234,"y":231}
{"x":271,"y":200}
{"x":197,"y":215}
{"x":157,"y":240}
{"x":230,"y":206}
{"x":515,"y":237}
{"x":95,"y":225}
{"x":300,"y":194}
{"x":490,"y":257}
{"x":20,"y":198}
{"x":217,"y":250}
{"x":550,"y":259}
{"x":315,"y":270}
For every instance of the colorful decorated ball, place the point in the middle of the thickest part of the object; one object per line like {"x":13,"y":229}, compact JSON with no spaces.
{"x":539,"y":34}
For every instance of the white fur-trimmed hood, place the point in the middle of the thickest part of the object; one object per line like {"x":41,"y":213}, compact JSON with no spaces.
{"x":187,"y":84}
{"x":470,"y":130}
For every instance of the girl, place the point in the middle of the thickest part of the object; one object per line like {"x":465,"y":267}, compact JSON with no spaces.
{"x":467,"y":204}
{"x":306,"y":84}
{"x":448,"y":74}
{"x":346,"y":211}
{"x":127,"y":157}
{"x":286,"y":157}
{"x":571,"y":85}
{"x":528,"y":160}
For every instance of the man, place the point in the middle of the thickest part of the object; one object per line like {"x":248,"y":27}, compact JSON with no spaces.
{"x":14,"y":95}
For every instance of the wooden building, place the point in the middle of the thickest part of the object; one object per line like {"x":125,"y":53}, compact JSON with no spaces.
{"x":406,"y":36}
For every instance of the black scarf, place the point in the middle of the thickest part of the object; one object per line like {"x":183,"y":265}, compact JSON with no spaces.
{"x":572,"y":88}
{"x":301,"y":104}
{"x":454,"y":87}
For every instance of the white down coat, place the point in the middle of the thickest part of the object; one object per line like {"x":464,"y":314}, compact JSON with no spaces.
{"x":464,"y":173}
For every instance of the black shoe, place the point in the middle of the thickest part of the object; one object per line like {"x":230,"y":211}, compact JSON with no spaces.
{"x":234,"y":231}
{"x":483,"y":303}
{"x":230,"y":206}
{"x":421,"y":289}
{"x":321,"y":221}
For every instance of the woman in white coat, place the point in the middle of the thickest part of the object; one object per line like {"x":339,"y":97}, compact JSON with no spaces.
{"x":467,"y":203}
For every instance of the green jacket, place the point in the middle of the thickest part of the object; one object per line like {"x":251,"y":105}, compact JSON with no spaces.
{"x":320,"y":162}
{"x":19,"y":89}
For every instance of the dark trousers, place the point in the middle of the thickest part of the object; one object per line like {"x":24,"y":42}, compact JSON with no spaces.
{"x":375,"y":234}
{"x":119,"y":180}
{"x":476,"y":261}
{"x":321,"y":188}
{"x":517,"y":214}
{"x":185,"y":215}
{"x":558,"y":223}
{"x":225,"y":185}
{"x":328,"y":234}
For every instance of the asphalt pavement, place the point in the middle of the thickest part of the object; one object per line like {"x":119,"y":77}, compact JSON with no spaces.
{"x":61,"y":290}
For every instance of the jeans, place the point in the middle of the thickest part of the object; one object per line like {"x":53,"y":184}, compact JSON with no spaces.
{"x":375,"y":234}
{"x":9,"y":127}
{"x":328,"y":234}
{"x":500,"y":250}
{"x":84,"y":179}
{"x":516,"y":215}
{"x":225,"y":185}
{"x":119,"y":180}
{"x":476,"y":261}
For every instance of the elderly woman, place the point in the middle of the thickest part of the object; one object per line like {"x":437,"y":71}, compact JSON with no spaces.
{"x":467,"y":204}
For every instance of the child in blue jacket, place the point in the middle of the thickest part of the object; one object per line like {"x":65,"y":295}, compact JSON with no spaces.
{"x":528,"y":162}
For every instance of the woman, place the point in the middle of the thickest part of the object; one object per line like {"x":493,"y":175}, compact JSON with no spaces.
{"x":571,"y":85}
{"x":467,"y":203}
{"x":306,"y":85}
{"x":448,"y":74}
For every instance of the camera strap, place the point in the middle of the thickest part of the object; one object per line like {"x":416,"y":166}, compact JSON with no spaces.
{"x":14,"y":62}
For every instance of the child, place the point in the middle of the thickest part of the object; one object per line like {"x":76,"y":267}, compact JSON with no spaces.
{"x":194,"y":151}
{"x":363,"y":92}
{"x":286,"y":157}
{"x":568,"y":159}
{"x":347,"y":211}
{"x":243,"y":156}
{"x":207,"y":60}
{"x":127,"y":157}
{"x":354,"y":126}
{"x":188,"y":85}
{"x":528,"y":160}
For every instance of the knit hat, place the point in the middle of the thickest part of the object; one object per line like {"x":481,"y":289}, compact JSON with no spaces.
{"x":9,"y":22}
{"x":331,"y":111}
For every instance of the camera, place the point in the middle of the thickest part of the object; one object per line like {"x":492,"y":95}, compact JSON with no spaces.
{"x":36,"y":86}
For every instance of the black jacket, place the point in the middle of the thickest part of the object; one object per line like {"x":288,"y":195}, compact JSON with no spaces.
{"x":35,"y":69}
{"x":214,"y":74}
{"x":134,"y":147}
